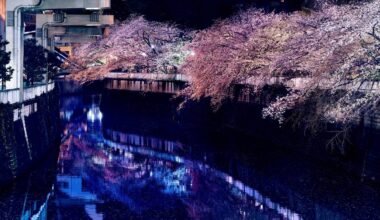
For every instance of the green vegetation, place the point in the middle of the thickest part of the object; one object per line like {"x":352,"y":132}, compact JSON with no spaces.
{"x":5,"y":57}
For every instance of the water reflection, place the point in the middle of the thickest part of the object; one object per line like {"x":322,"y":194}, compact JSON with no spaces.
{"x":29,"y":198}
{"x":34,"y":213}
{"x":150,"y":177}
{"x":190,"y":170}
{"x":105,"y":172}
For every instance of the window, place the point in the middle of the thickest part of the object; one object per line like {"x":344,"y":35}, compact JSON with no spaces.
{"x":94,"y":17}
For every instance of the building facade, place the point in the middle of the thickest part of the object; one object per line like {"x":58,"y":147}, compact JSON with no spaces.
{"x":64,"y":31}
{"x":14,"y":26}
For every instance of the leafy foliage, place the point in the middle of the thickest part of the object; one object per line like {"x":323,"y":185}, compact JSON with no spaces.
{"x":37,"y":66}
{"x":7,"y":137}
{"x":53,"y":65}
{"x":5,"y":57}
{"x":34,"y":62}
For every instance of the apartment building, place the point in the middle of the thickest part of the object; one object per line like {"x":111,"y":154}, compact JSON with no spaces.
{"x":64,"y":30}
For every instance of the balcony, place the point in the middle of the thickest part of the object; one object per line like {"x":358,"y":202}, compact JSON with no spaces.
{"x":76,"y":4}
{"x":74,"y":39}
{"x":76,"y":20}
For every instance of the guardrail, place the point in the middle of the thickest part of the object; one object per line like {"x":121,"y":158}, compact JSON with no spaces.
{"x":12,"y":96}
{"x":149,"y":76}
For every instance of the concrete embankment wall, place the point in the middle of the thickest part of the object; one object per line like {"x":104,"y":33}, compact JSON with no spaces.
{"x":23,"y":146}
{"x":360,"y":156}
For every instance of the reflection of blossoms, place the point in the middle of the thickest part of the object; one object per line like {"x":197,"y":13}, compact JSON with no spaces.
{"x":128,"y":174}
{"x":175,"y":182}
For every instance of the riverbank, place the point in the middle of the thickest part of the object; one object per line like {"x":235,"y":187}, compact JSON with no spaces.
{"x":24,"y":141}
{"x":129,"y":154}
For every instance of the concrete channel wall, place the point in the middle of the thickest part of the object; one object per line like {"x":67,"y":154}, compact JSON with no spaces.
{"x":27,"y":132}
{"x":12,"y":96}
{"x":244,"y":112}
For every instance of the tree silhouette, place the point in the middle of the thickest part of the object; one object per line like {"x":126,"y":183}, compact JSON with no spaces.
{"x":5,"y":57}
{"x":35,"y":62}
{"x":53,"y":65}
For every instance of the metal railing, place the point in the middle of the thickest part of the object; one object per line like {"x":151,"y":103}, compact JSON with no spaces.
{"x":149,"y":76}
{"x":12,"y":96}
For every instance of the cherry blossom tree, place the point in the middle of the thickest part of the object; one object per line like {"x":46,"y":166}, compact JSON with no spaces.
{"x":327,"y":50}
{"x":136,"y":45}
{"x":328,"y":57}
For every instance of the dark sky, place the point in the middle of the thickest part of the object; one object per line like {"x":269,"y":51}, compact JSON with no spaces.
{"x":193,"y":13}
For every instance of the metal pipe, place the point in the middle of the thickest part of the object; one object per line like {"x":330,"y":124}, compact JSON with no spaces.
{"x":44,"y":29}
{"x":18,"y":46}
{"x":18,"y":40}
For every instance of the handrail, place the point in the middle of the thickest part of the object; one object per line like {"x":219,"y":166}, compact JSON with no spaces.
{"x":12,"y":96}
{"x":18,"y":38}
{"x":148,"y":76}
{"x":8,"y":90}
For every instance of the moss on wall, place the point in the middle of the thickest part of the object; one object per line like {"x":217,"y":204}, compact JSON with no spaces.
{"x":7,"y":139}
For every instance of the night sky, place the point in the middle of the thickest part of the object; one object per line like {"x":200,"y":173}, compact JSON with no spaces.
{"x":193,"y":13}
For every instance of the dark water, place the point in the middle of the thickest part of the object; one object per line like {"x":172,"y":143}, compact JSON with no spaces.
{"x":117,"y":161}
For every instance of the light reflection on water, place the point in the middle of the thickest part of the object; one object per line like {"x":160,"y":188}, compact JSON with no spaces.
{"x":134,"y":170}
{"x":111,"y":173}
{"x":237,"y":188}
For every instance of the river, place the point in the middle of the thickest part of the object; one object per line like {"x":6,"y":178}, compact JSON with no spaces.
{"x":129,"y":159}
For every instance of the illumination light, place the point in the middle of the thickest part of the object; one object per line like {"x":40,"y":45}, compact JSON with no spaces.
{"x":94,"y":115}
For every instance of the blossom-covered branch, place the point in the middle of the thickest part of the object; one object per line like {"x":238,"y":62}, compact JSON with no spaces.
{"x":331,"y":49}
{"x":334,"y":50}
{"x":136,"y":45}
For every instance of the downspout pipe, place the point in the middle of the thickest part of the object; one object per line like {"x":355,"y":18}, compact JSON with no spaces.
{"x":44,"y":30}
{"x":18,"y":46}
{"x":18,"y":49}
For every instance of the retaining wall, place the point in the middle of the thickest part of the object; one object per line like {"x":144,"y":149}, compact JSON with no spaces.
{"x":23,"y":146}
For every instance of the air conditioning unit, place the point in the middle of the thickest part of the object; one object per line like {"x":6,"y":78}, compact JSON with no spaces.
{"x":58,"y":17}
